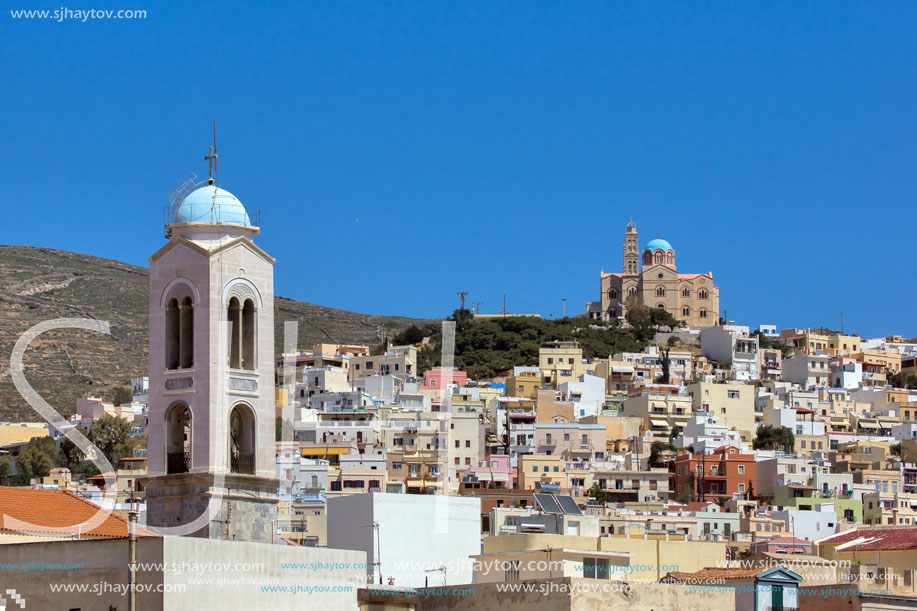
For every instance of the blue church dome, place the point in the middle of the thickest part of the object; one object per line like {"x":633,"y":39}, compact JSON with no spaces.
{"x":211,"y":205}
{"x":659,"y":244}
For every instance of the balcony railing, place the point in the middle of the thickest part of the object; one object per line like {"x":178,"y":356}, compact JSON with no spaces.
{"x":242,"y":463}
{"x":178,"y":462}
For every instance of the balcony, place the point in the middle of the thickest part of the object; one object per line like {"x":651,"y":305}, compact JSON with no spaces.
{"x":242,"y":463}
{"x":178,"y":462}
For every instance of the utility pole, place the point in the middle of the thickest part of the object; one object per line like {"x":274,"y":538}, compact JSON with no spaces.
{"x":477,"y":306}
{"x":564,"y":299}
{"x":132,"y":552}
{"x":842,"y":323}
{"x":462,"y":295}
{"x":503,"y":311}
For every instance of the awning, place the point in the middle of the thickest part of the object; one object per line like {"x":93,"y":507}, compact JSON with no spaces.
{"x":659,"y":422}
{"x":325,"y":451}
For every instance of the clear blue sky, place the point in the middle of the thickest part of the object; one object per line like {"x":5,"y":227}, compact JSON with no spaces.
{"x":401,"y":152}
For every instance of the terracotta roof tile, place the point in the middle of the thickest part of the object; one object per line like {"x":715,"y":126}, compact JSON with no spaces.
{"x":57,"y":512}
{"x":714,"y":573}
{"x":874,"y":539}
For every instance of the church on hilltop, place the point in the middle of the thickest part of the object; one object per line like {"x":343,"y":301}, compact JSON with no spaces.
{"x":653,"y":279}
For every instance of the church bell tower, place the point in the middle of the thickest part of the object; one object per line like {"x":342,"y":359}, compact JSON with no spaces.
{"x":211,"y":400}
{"x":631,"y":265}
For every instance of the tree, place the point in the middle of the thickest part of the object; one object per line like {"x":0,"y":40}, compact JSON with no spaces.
{"x":656,"y":449}
{"x":38,"y":458}
{"x":666,"y":375}
{"x":689,"y":495}
{"x":672,"y":341}
{"x":6,"y":467}
{"x":72,"y":455}
{"x":774,"y":438}
{"x":108,"y":432}
{"x":130,"y":446}
{"x":120,"y":395}
{"x":674,"y":434}
{"x":463,"y":319}
{"x":598,"y":493}
{"x":640,"y":318}
{"x":279,"y":425}
{"x":410,"y":336}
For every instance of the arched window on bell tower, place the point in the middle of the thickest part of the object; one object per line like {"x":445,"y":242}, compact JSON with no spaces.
{"x":242,"y":317}
{"x":186,"y":333}
{"x":178,"y":439}
{"x":173,"y":338}
{"x":248,"y":335}
{"x":235,"y":333}
{"x":179,"y":331}
{"x":241,"y":439}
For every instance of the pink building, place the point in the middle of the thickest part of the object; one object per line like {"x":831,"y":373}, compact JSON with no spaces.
{"x":495,"y":471}
{"x":436,"y":378}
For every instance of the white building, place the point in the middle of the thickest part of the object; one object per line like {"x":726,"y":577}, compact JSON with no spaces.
{"x":732,"y":343}
{"x":587,"y":395}
{"x":810,"y":525}
{"x":798,"y":419}
{"x":807,"y":370}
{"x":413,"y":539}
{"x":702,"y":433}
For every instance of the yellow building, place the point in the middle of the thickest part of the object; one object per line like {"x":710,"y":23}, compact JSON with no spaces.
{"x":840,"y":344}
{"x":648,"y":559}
{"x":525,"y":384}
{"x":654,"y":280}
{"x":21,"y":432}
{"x":891,"y":509}
{"x":888,"y":360}
{"x":733,"y":405}
{"x":561,"y":362}
{"x":660,"y":406}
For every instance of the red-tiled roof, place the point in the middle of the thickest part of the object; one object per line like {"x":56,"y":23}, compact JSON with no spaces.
{"x":874,"y":539}
{"x":56,"y":512}
{"x":714,"y":573}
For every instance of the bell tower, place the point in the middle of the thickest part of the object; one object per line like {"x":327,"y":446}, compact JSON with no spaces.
{"x":211,"y":400}
{"x":631,"y":250}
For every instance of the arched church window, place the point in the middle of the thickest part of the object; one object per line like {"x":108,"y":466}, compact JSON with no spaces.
{"x":235,"y":333}
{"x":248,"y":335}
{"x":702,"y":294}
{"x":613,"y":313}
{"x":670,"y":258}
{"x":647,"y":258}
{"x":685,"y":292}
{"x":632,"y":291}
{"x":172,"y":334}
{"x":178,"y":439}
{"x":686,"y":311}
{"x":702,"y":313}
{"x":660,"y":291}
{"x":241,"y":439}
{"x":242,"y":317}
{"x":657,"y":258}
{"x":612,"y":294}
{"x":661,"y":306}
{"x":186,"y":334}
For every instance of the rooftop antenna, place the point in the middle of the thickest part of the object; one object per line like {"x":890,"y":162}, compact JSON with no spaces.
{"x":211,"y":157}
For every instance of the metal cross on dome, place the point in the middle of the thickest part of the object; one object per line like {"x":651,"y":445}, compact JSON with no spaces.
{"x":211,"y":157}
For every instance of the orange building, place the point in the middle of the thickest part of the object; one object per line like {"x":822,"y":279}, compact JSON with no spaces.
{"x":721,"y":474}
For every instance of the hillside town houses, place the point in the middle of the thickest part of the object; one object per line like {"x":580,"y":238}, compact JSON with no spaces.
{"x":715,"y":446}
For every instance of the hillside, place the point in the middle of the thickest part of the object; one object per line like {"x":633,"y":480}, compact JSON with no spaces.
{"x":39,"y":284}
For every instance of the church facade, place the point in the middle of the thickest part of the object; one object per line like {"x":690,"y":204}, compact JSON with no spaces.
{"x":652,"y":277}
